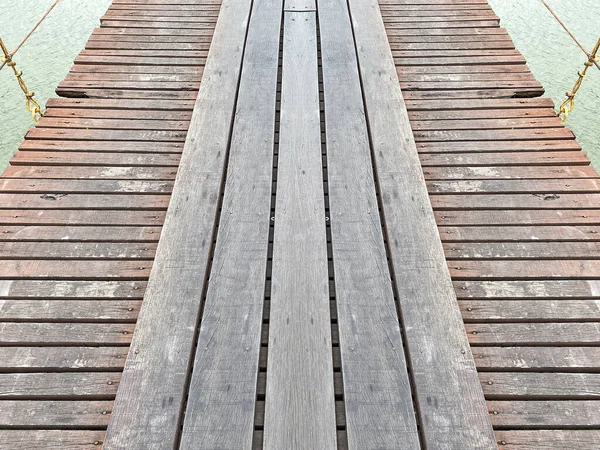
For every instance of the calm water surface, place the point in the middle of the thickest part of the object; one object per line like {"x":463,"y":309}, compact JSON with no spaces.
{"x":45,"y":59}
{"x":48,"y":55}
{"x":555,"y":59}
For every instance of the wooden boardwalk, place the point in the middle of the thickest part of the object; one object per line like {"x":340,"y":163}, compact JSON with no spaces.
{"x":377,"y":236}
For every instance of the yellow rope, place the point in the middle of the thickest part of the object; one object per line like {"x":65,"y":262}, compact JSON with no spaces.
{"x":33,"y":106}
{"x":569,"y":104}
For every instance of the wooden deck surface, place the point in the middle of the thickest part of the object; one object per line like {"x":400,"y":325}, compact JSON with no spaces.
{"x":299,"y":135}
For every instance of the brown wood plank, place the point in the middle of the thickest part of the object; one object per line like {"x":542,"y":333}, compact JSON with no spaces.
{"x":85,"y":201}
{"x":535,"y":386}
{"x":547,"y":200}
{"x":101,"y":146}
{"x":59,"y":386}
{"x":552,"y":359}
{"x":531,"y":217}
{"x":90,"y":173}
{"x":38,"y":217}
{"x":78,"y":233}
{"x":548,"y":439}
{"x":59,"y":359}
{"x":70,"y":334}
{"x":25,"y":289}
{"x":545,"y":414}
{"x":568,"y":186}
{"x":59,"y":187}
{"x":52,"y":439}
{"x":553,"y":334}
{"x":44,"y":310}
{"x":529,"y":310}
{"x":68,"y":250}
{"x":564,"y":158}
{"x":56,"y":414}
{"x":511,"y":269}
{"x":574,"y":289}
{"x":520,"y":233}
{"x":94,"y":158}
{"x":511,"y":172}
{"x":525,"y":250}
{"x":70,"y":269}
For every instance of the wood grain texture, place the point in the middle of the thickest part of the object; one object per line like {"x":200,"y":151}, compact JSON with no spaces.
{"x":222,"y":394}
{"x":449,"y":397}
{"x":377,"y":392}
{"x":143,"y":417}
{"x":51,"y":439}
{"x":300,"y":397}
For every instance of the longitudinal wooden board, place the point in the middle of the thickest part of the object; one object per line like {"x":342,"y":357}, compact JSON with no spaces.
{"x":450,"y":400}
{"x":299,"y":409}
{"x":377,"y":392}
{"x":222,"y":394}
{"x":151,"y":397}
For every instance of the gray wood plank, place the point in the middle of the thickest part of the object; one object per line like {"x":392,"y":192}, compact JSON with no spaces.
{"x":300,"y":410}
{"x":222,"y":395}
{"x":452,"y":410}
{"x":377,"y":392}
{"x":300,"y":5}
{"x":149,"y":404}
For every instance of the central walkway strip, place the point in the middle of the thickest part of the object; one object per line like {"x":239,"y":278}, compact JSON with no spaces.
{"x":407,"y":373}
{"x":299,"y":408}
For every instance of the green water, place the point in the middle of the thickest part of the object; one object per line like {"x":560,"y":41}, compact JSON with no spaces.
{"x":48,"y":55}
{"x":555,"y":59}
{"x":45,"y":59}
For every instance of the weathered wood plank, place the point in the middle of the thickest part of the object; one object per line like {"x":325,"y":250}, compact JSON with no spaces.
{"x":452,"y":409}
{"x":32,"y":359}
{"x":34,"y":233}
{"x":382,"y":414}
{"x":97,"y":290}
{"x":530,"y":310}
{"x":51,"y":439}
{"x":144,"y":418}
{"x":548,"y":439}
{"x":532,"y":386}
{"x":57,"y":386}
{"x":555,"y":334}
{"x":530,"y":289}
{"x":522,"y":250}
{"x":222,"y":394}
{"x":525,"y":269}
{"x":75,"y":250}
{"x":69,"y":310}
{"x":545,"y":414}
{"x":539,"y":359}
{"x":52,"y":334}
{"x":66,"y":414}
{"x":300,"y":371}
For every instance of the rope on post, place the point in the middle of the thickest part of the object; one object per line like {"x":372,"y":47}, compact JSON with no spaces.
{"x":33,"y":106}
{"x":7,"y":60}
{"x":569,"y":104}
